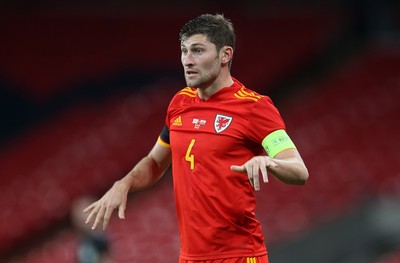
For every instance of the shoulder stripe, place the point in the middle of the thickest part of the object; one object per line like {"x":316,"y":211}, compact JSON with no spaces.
{"x":249,"y":98}
{"x":243,"y":94}
{"x":188,"y":92}
{"x":249,"y":93}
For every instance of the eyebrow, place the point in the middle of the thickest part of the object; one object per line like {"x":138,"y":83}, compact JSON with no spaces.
{"x":196,"y":44}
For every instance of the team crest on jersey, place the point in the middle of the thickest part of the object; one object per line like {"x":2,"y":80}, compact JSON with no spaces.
{"x":222,"y":122}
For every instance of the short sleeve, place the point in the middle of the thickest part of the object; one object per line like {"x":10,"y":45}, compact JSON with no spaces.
{"x":164,"y":136}
{"x":264,"y":119}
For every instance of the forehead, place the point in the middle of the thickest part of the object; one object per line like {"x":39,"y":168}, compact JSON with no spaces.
{"x":198,"y":39}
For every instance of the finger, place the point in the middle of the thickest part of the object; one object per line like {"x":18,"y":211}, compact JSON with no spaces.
{"x":238,"y":168}
{"x":256,"y":176}
{"x":107,"y":216}
{"x":264,"y":173}
{"x":121,"y":210}
{"x":249,"y":174}
{"x":92,"y":214}
{"x":90,"y":217}
{"x":89,"y":207}
{"x":251,"y":181}
{"x":99,"y":216}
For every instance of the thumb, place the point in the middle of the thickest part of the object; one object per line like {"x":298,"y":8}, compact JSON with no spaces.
{"x":238,"y":168}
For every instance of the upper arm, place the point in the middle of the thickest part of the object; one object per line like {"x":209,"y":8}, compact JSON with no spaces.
{"x":161,"y":155}
{"x":291,"y":167}
{"x":291,"y":153}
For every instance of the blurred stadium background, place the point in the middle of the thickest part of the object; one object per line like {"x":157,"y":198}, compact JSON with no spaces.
{"x":84,"y":86}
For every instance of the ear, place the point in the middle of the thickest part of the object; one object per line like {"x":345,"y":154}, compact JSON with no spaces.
{"x":226,"y":54}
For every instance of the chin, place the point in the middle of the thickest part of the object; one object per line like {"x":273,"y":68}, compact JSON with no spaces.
{"x":191,"y":84}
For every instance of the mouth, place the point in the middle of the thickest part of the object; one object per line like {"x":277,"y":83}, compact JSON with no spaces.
{"x":191,"y":73}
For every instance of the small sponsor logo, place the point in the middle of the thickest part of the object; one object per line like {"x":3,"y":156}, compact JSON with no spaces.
{"x":177,"y":121}
{"x":197,"y":123}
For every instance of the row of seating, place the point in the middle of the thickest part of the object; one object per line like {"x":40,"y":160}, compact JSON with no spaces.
{"x":83,"y":154}
{"x":345,"y":131}
{"x":86,"y":148}
{"x":345,"y":128}
{"x":65,"y":51}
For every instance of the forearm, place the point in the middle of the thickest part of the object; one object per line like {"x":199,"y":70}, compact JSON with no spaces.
{"x":290,"y":171}
{"x":145,"y":174}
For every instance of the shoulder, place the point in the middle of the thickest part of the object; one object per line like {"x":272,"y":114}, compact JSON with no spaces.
{"x":189,"y":92}
{"x":253,"y":98}
{"x":257,"y":103}
{"x":183,"y":98}
{"x":184,"y":95}
{"x":244,"y":93}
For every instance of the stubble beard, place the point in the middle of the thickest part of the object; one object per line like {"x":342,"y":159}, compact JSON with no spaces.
{"x":204,"y":78}
{"x":194,"y":83}
{"x":201,"y":81}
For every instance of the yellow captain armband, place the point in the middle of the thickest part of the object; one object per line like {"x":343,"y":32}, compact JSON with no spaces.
{"x":276,"y":142}
{"x":160,"y":141}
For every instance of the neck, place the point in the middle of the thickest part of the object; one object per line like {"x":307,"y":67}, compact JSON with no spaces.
{"x":214,"y":87}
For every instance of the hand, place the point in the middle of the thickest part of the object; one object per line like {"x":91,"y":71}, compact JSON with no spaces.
{"x":102,"y":209}
{"x":253,"y":167}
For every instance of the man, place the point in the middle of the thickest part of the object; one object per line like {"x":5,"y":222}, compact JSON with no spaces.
{"x":216,"y":134}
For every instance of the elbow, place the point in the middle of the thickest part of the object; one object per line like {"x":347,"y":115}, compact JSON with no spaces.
{"x":296,"y":175}
{"x":302,"y":181}
{"x":300,"y":178}
{"x":303,"y":177}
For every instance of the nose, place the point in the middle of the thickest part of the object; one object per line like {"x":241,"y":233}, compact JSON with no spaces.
{"x":187,"y":59}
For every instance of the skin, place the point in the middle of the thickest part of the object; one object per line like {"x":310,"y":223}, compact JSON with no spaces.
{"x":206,"y":69}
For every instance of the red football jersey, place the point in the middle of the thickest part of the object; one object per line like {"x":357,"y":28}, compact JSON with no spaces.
{"x":215,"y":206}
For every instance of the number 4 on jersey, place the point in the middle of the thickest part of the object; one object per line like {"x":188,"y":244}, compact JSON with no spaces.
{"x":190,"y":157}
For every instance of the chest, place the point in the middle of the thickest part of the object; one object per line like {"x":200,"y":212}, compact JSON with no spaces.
{"x":209,"y":131}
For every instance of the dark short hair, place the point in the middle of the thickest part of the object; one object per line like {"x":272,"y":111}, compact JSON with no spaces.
{"x":218,"y":29}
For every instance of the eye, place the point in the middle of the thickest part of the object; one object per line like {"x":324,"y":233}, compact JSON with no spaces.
{"x":184,"y":51}
{"x":198,"y":51}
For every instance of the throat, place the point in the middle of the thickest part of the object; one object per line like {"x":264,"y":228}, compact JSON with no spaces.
{"x":205,"y":94}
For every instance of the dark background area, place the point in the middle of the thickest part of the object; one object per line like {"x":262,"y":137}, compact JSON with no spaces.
{"x":84,"y":86}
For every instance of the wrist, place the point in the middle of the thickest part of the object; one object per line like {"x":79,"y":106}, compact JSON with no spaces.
{"x":125,"y":183}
